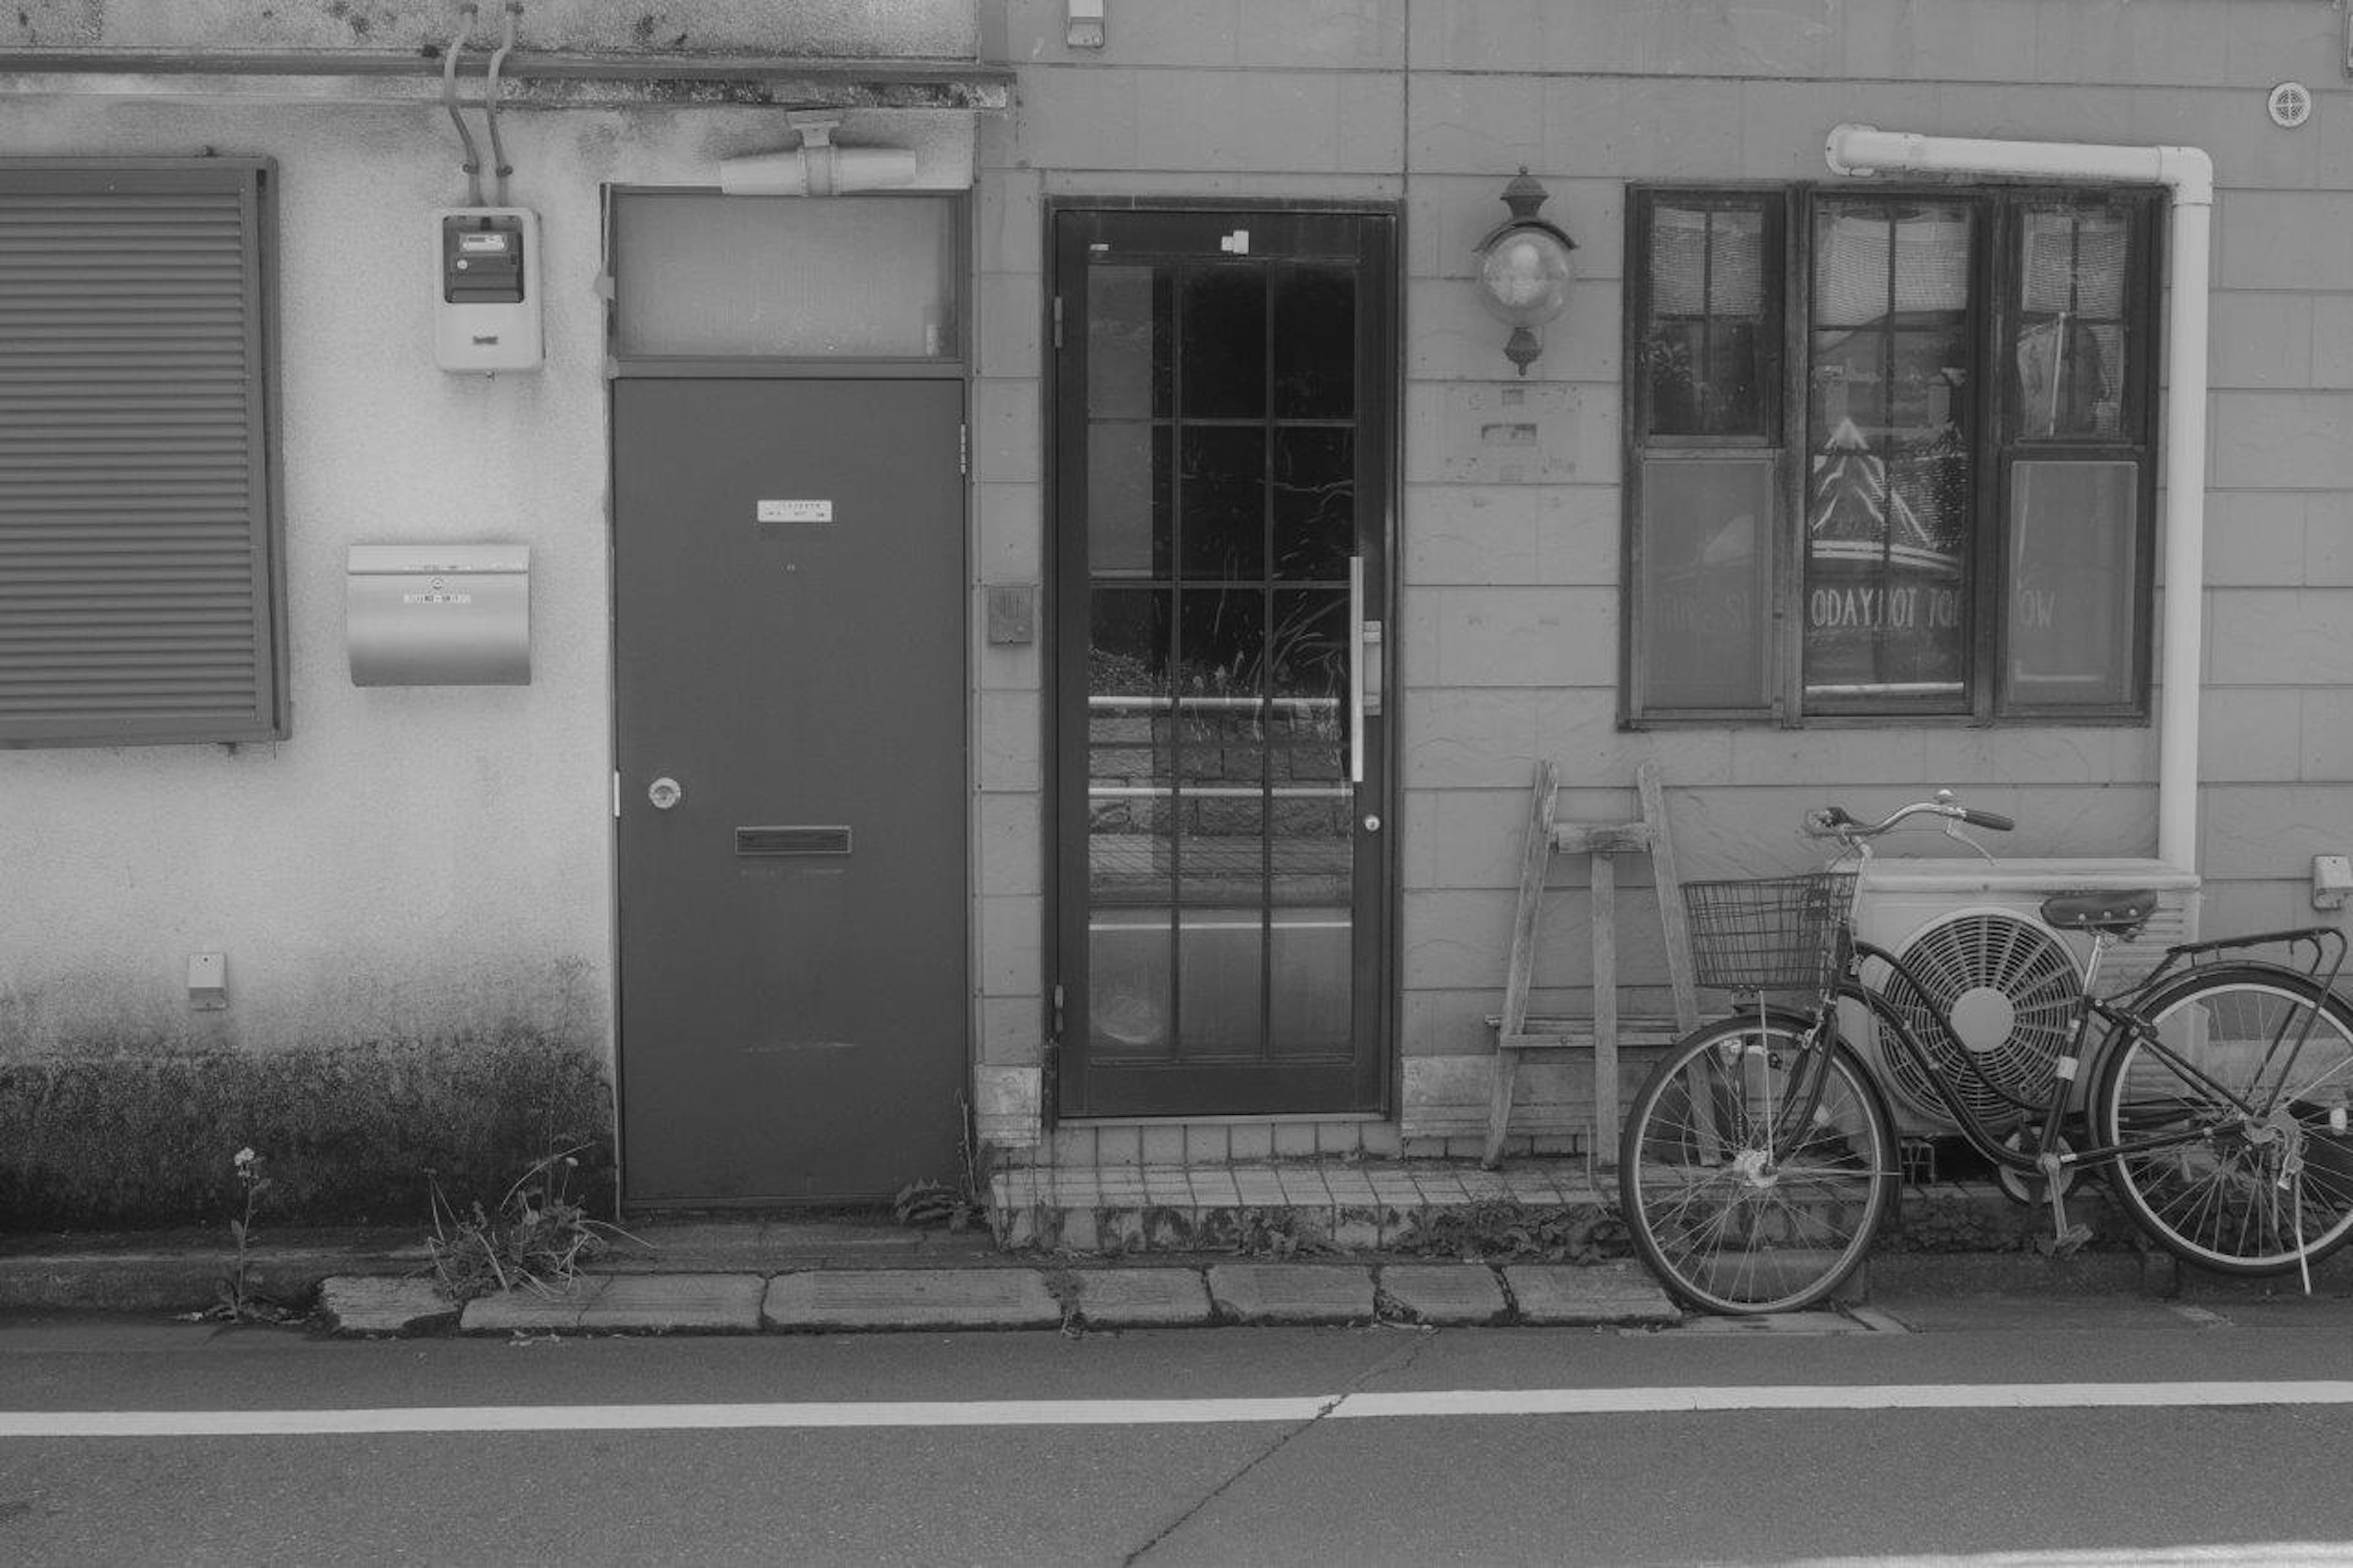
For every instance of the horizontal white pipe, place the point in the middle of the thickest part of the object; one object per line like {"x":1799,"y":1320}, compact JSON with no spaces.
{"x":1863,"y":150}
{"x":2188,"y":174}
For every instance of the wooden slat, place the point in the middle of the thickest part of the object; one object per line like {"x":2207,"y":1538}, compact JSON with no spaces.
{"x":1611,"y":839}
{"x":1681,"y":974}
{"x":1605,"y":1031}
{"x":1536,"y":859}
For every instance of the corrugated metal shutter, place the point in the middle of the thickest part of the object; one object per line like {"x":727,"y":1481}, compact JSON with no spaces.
{"x":139,"y":599}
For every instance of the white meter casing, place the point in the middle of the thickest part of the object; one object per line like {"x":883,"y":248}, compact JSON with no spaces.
{"x":486,"y":286}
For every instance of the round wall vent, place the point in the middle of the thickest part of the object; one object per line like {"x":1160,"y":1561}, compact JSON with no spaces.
{"x":2290,"y":104}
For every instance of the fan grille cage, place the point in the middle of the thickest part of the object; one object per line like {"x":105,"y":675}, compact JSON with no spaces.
{"x":1994,"y":950}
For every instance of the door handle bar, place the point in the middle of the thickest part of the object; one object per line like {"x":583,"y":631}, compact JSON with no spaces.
{"x":1363,"y":670}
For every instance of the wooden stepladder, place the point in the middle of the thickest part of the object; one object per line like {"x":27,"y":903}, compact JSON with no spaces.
{"x":1515,"y":1030}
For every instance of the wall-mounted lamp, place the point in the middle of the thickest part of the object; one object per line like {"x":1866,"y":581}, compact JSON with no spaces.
{"x":1084,"y":27}
{"x":1524,"y":270}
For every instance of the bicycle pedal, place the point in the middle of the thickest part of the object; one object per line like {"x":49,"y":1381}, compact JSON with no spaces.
{"x":2066,"y":1244}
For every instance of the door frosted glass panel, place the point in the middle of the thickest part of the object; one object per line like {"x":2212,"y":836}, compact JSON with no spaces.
{"x":1706,"y":581}
{"x":1131,"y":763}
{"x":1310,"y":837}
{"x":845,"y":277}
{"x":2075,"y":582}
{"x":1127,"y":499}
{"x":1128,"y":314}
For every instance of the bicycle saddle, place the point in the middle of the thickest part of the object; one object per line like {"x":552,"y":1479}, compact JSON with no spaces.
{"x":2105,"y":911}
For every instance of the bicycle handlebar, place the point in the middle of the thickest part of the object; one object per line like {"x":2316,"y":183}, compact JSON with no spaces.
{"x":1837,"y":822}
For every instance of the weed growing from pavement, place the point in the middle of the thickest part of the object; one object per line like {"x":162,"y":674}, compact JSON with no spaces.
{"x":1500,"y":1230}
{"x":922,"y":1204}
{"x":536,"y":1238}
{"x":236,"y":1293}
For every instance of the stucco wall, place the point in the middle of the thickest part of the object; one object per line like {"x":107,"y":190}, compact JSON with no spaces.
{"x":413,"y":862}
{"x":1509,"y":559}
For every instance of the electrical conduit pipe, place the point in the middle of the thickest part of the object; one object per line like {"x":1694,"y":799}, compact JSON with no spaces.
{"x":2187,"y":176}
{"x":816,"y":168}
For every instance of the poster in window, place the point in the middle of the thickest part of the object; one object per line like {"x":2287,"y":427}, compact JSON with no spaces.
{"x":1886,"y":580}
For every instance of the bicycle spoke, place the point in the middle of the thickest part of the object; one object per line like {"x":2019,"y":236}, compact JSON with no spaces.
{"x":2248,"y":1072}
{"x":1756,"y":1166}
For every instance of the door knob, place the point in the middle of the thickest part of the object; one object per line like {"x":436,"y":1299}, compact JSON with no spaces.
{"x":665,"y":792}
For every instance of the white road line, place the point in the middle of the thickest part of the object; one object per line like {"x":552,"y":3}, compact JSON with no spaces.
{"x":1411,"y":1406}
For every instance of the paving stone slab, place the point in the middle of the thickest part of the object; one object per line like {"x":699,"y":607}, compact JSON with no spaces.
{"x":676,"y":1303}
{"x":527,"y":1310}
{"x":911,"y":1298}
{"x":1889,"y":1275}
{"x":1573,"y":1293}
{"x":373,"y":1305}
{"x":1141,"y":1298}
{"x":1782,"y":1323}
{"x":1445,"y":1292}
{"x":1292,"y":1293}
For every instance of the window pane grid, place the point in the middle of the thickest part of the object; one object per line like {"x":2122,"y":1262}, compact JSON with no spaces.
{"x":1920,"y":587}
{"x":1221,"y":810}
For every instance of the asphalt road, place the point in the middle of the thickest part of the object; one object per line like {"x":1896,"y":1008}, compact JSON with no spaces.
{"x":1354,"y":1447}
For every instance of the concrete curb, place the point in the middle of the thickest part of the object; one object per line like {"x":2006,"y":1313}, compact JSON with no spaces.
{"x":825,"y":1287}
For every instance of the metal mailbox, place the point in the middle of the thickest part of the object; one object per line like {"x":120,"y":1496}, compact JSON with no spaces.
{"x":438,"y":614}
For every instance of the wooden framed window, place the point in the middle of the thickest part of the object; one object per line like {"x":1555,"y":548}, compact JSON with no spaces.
{"x":141,"y":598}
{"x":1891,"y":454}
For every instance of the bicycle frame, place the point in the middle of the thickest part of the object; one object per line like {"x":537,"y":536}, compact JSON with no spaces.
{"x":2214,"y":1091}
{"x":2120,"y":1023}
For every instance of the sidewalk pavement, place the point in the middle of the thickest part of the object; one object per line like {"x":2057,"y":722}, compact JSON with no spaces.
{"x":767,"y":1274}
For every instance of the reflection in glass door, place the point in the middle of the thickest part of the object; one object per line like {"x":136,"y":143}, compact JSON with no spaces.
{"x":1223,"y":382}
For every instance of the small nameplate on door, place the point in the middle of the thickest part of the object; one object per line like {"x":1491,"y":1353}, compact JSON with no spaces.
{"x":794,"y":511}
{"x":792,"y":841}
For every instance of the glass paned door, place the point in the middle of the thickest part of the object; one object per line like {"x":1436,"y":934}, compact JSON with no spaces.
{"x":1223,"y":382}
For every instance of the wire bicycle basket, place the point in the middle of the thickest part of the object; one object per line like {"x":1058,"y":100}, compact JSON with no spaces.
{"x":1771,"y":934}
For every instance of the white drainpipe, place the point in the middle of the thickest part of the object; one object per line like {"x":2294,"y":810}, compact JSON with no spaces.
{"x":2188,"y":175}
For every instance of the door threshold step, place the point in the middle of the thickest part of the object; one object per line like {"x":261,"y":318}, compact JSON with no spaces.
{"x":1279,"y":1206}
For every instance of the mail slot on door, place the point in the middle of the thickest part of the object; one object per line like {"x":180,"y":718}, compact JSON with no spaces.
{"x":438,"y":614}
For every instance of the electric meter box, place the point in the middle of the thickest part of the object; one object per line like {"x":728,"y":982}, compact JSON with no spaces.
{"x":487,"y":283}
{"x":438,"y":614}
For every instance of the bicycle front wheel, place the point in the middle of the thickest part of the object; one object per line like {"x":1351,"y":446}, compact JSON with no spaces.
{"x":2255,"y":1169}
{"x":1758,"y":1162}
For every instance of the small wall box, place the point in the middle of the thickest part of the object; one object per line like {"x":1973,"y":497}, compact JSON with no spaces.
{"x":487,"y":284}
{"x":438,"y":614}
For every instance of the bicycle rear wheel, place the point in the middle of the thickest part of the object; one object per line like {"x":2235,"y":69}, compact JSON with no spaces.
{"x":2262,"y":1174}
{"x":1758,"y":1162}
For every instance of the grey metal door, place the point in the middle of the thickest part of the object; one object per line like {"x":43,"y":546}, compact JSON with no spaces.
{"x":789,"y":571}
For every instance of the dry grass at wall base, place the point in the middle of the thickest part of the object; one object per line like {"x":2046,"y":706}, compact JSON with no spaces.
{"x":129,"y":1136}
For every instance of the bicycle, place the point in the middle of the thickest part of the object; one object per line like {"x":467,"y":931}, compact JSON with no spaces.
{"x":1759,"y":1161}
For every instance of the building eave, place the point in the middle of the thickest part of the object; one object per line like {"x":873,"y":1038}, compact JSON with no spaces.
{"x":545,"y":81}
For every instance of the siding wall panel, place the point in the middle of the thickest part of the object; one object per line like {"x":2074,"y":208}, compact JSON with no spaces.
{"x":1508,"y":550}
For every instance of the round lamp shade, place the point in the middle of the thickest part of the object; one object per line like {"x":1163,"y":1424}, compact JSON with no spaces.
{"x":1525,"y":271}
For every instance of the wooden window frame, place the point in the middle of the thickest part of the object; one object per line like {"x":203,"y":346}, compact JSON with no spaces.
{"x":106,"y":679}
{"x":1996,"y":447}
